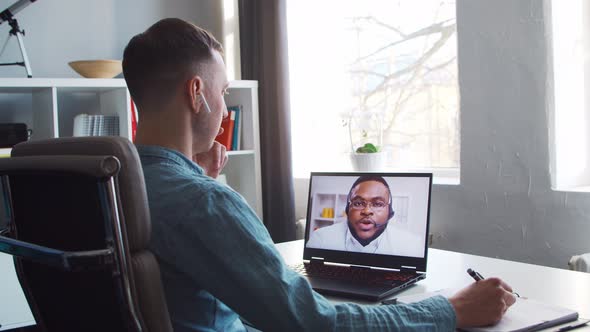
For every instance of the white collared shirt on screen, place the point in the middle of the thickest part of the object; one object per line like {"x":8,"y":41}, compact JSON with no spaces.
{"x":393,"y":241}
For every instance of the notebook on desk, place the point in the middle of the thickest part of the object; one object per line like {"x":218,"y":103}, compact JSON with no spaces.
{"x":366,"y":233}
{"x":523,"y":316}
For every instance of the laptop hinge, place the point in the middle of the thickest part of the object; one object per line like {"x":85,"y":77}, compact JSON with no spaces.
{"x":359,"y":267}
{"x":316,"y":261}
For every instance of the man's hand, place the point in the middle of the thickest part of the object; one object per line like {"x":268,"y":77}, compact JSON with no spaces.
{"x":482,"y":303}
{"x":213,"y":160}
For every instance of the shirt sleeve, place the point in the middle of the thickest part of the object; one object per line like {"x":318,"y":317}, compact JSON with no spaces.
{"x":229,"y":253}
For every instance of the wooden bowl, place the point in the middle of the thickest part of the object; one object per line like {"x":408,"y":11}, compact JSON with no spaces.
{"x":97,"y":68}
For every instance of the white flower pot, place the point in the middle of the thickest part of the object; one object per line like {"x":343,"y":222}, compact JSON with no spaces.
{"x":368,"y":162}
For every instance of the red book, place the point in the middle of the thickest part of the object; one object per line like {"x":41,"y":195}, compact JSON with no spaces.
{"x":133,"y":121}
{"x":228,"y":130}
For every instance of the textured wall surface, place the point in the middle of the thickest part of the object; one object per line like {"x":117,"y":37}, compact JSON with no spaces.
{"x":504,"y":206}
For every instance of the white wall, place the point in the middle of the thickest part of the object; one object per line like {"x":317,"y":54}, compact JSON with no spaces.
{"x":59,"y":31}
{"x":504,"y":206}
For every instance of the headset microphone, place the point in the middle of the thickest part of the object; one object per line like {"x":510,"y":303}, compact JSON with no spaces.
{"x":381,"y":225}
{"x":378,"y":225}
{"x":207,"y":108}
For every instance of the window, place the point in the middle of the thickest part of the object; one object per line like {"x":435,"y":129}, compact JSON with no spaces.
{"x":569,"y":124}
{"x":378,"y":71}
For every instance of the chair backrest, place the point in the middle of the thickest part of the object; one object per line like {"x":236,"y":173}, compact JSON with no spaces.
{"x":79,"y":228}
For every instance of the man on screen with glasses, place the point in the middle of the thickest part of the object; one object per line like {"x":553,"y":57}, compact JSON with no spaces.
{"x":369,"y":211}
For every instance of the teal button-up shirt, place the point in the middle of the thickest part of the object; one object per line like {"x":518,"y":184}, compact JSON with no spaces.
{"x":218,"y":263}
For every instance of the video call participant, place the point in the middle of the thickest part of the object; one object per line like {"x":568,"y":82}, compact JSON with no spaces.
{"x":369,"y":211}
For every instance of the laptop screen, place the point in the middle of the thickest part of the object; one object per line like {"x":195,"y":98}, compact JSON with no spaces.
{"x":373,"y":219}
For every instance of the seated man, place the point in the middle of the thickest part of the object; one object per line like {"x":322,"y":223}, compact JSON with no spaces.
{"x":369,"y":211}
{"x":217,"y":259}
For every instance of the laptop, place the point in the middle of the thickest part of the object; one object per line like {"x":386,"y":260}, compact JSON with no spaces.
{"x":366,"y":234}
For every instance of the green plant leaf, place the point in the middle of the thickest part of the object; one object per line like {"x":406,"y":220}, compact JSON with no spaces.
{"x":367,"y":148}
{"x":371,"y":147}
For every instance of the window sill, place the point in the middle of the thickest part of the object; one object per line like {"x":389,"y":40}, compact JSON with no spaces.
{"x":575,"y":189}
{"x":440,"y":176}
{"x":446,"y":181}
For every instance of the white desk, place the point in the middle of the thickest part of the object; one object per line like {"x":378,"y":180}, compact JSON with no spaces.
{"x":14,"y":309}
{"x":447,"y":269}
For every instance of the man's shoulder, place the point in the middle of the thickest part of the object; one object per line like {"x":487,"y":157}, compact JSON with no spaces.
{"x":336,"y":227}
{"x":329,"y":237}
{"x":403,"y":242}
{"x":402,"y":232}
{"x":184,"y":197}
{"x":174,"y":179}
{"x":168,"y":173}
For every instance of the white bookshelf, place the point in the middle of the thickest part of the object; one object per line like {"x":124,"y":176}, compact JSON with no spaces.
{"x":48,"y":107}
{"x":243,"y":167}
{"x":334,"y":201}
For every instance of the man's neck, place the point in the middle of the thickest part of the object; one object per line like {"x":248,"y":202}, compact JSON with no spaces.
{"x":169,"y":132}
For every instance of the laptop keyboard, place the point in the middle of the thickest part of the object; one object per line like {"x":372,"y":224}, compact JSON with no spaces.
{"x":364,"y":275}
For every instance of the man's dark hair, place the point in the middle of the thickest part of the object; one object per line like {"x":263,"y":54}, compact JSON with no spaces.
{"x":367,"y":178}
{"x":166,"y":54}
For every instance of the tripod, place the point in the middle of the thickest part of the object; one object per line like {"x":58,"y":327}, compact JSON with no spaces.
{"x":19,"y":33}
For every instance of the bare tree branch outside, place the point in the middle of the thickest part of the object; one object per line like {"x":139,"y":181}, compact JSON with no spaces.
{"x":399,"y":75}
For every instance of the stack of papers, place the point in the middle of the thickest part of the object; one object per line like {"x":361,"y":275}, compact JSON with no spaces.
{"x":96,"y":125}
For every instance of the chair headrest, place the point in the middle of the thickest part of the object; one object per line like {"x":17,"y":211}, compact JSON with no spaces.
{"x":131,"y":183}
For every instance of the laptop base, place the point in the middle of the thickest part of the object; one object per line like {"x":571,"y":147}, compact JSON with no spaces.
{"x":358,"y":290}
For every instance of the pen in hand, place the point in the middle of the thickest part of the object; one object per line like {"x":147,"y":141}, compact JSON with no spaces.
{"x":477,"y":277}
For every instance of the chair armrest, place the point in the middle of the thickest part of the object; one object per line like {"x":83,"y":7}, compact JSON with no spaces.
{"x":67,"y":260}
{"x":94,"y":166}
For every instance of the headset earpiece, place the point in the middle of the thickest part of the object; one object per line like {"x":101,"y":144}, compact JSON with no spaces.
{"x":348,"y":201}
{"x":391,"y":212}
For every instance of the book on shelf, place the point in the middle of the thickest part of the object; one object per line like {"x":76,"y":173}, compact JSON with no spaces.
{"x":81,"y":125}
{"x":237,"y":134}
{"x":133,"y":120}
{"x":92,"y":125}
{"x":96,"y":125}
{"x":228,"y":130}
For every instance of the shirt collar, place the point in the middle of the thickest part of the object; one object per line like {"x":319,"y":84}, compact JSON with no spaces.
{"x":351,"y":244}
{"x":160,"y":152}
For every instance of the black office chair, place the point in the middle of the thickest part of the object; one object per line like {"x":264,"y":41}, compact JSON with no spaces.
{"x":78,"y":228}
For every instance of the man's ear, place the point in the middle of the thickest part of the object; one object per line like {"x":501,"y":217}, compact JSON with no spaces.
{"x":193,"y":88}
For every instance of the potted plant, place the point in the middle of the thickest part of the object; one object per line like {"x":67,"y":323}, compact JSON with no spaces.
{"x":367,"y":158}
{"x":364,"y":128}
